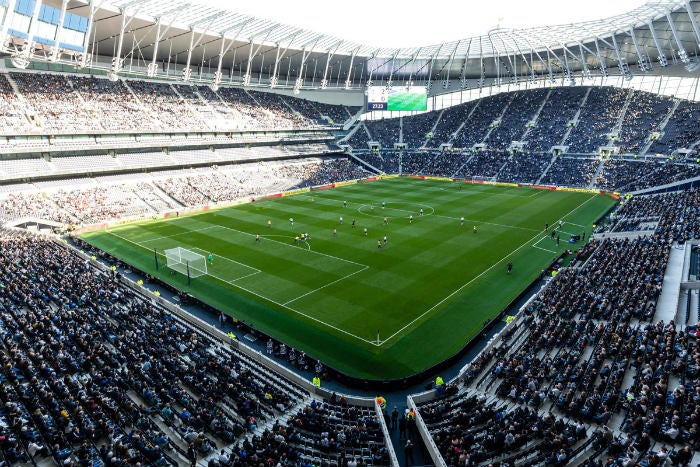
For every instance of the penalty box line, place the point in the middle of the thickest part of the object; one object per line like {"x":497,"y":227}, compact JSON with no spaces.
{"x":466,"y":284}
{"x":282,"y":305}
{"x":206,"y":252}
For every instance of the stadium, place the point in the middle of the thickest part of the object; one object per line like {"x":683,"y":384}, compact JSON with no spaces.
{"x":229,"y":241}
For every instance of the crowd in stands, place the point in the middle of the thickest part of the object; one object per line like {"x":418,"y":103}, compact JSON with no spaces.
{"x":95,"y":374}
{"x":332,"y":171}
{"x":644,"y":116}
{"x":612,"y":174}
{"x":53,"y":104}
{"x":588,"y":348}
{"x":552,"y":122}
{"x":420,"y":163}
{"x":515,"y":120}
{"x":164,"y":104}
{"x":417,"y":128}
{"x":484,"y":164}
{"x":72,"y":104}
{"x":386,"y":131}
{"x":597,"y":120}
{"x":112,"y":103}
{"x":571,"y":171}
{"x":36,"y":205}
{"x":677,"y":133}
{"x":473,"y":430}
{"x":631,"y":175}
{"x":501,"y":119}
{"x":360,"y":136}
{"x":524,"y":167}
{"x":450,"y":121}
{"x":12,"y":118}
{"x":386,"y":161}
{"x":484,"y":118}
{"x":215,"y":184}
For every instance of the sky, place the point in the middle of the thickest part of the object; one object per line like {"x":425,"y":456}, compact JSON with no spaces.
{"x":410,"y":24}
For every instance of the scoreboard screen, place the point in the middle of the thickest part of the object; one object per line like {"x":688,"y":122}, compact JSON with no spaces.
{"x":406,"y":98}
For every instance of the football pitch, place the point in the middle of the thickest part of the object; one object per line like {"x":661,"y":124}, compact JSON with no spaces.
{"x":368,"y":307}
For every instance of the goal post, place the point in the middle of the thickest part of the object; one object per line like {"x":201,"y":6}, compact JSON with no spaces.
{"x":186,"y":262}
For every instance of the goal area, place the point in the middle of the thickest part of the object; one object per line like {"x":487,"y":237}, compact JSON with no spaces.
{"x":186,"y":262}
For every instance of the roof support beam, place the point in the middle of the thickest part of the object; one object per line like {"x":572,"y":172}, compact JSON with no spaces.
{"x":187,"y":72}
{"x":463,"y":74}
{"x":300,"y":76}
{"x":585,"y":71}
{"x":153,"y":66}
{"x":55,"y":50}
{"x":641,"y":59}
{"x":85,"y":57}
{"x":9,"y":12}
{"x":662,"y":56}
{"x":117,"y":60}
{"x":21,"y":58}
{"x":430,"y":70}
{"x":413,"y":60}
{"x":693,"y":21}
{"x":224,"y":49}
{"x":446,"y":81}
{"x":622,"y":65}
{"x":329,"y":56}
{"x":274,"y":79}
{"x":251,"y":53}
{"x":348,"y":81}
{"x":391,"y":71}
{"x":603,"y":67}
{"x":532,"y":60}
{"x":371,"y":72}
{"x":530,"y":70}
{"x":682,"y":54}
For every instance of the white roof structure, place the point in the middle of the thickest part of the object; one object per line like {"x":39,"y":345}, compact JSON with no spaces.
{"x":165,"y":38}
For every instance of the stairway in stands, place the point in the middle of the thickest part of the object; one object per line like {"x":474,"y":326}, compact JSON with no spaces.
{"x":662,"y":127}
{"x":578,"y":114}
{"x":536,"y":116}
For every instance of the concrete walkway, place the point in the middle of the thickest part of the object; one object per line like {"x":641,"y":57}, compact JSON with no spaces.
{"x":667,"y":306}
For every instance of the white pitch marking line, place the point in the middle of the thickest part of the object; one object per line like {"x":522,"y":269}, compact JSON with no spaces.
{"x":148,"y":240}
{"x":243,"y":277}
{"x":269,"y":299}
{"x":324,"y":286}
{"x":460,"y":288}
{"x":489,"y":223}
{"x":291,"y":246}
{"x":540,"y":248}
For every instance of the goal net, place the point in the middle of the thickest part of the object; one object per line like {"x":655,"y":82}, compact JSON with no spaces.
{"x":181,"y":259}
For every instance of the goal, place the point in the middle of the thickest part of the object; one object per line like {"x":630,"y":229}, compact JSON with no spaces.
{"x":181,"y":259}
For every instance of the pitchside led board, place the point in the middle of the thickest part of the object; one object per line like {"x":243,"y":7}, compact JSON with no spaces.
{"x":406,"y":98}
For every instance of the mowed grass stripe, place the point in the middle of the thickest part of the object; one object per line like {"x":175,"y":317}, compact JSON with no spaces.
{"x":336,"y":317}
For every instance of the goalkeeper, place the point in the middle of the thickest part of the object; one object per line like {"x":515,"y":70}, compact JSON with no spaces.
{"x":210,"y":258}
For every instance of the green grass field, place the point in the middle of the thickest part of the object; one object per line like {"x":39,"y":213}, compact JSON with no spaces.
{"x":427,"y":291}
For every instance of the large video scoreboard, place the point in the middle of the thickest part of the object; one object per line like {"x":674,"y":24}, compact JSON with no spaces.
{"x":406,"y":98}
